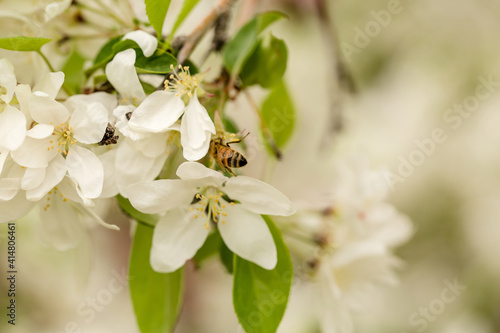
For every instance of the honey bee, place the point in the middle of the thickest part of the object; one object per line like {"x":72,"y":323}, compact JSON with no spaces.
{"x":226,"y":157}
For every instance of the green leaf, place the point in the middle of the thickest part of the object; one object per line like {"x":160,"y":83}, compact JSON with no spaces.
{"x":186,"y":9}
{"x":148,"y":88}
{"x":107,"y":49}
{"x":227,"y":258}
{"x":210,"y":247}
{"x":239,"y":49}
{"x":156,"y":64}
{"x":157,"y":11}
{"x":266,"y":64}
{"x":127,"y":207}
{"x":259,"y":295}
{"x":279,"y":114}
{"x":23,"y":43}
{"x":156,"y":297}
{"x":73,"y":75}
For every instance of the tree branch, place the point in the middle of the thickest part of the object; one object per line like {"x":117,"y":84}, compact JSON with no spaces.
{"x":195,"y":36}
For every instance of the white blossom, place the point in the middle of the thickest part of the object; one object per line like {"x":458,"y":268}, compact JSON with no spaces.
{"x":201,"y":197}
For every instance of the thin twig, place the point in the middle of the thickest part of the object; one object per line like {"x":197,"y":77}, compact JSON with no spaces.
{"x":341,"y":79}
{"x":266,"y":132}
{"x":195,"y":36}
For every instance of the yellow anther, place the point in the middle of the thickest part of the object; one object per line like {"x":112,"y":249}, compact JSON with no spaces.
{"x":232,"y":203}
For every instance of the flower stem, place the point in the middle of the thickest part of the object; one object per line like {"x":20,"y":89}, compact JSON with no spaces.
{"x":65,"y":88}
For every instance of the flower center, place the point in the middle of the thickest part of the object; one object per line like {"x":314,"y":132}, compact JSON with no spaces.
{"x":63,"y":135}
{"x":53,"y":195}
{"x":208,"y":206}
{"x":181,"y":82}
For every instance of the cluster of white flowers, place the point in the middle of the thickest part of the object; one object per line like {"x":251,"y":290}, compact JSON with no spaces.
{"x":356,"y":235}
{"x":65,"y":155}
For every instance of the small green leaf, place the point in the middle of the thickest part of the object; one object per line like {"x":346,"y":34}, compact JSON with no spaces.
{"x":279,"y":114}
{"x":259,"y":295}
{"x":186,"y":9}
{"x":156,"y":297}
{"x":157,"y":11}
{"x":107,"y":50}
{"x":127,"y":207}
{"x":23,"y":43}
{"x":239,"y":49}
{"x":73,"y":75}
{"x":227,"y":258}
{"x":210,"y":247}
{"x":148,"y":88}
{"x":267,"y":64}
{"x":156,"y":64}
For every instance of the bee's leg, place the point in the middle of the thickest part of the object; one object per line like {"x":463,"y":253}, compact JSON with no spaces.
{"x":219,"y":163}
{"x":239,"y":140}
{"x":228,"y":169}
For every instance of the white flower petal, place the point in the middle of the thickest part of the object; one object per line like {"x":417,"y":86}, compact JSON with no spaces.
{"x":34,"y":153}
{"x":160,"y":196}
{"x":40,"y":131}
{"x":15,"y":208}
{"x":54,"y":174}
{"x":109,"y":188}
{"x":258,"y":197}
{"x":60,"y":229}
{"x":23,"y":93}
{"x":56,"y":8}
{"x":157,"y":112}
{"x":50,"y":84}
{"x":176,"y":238}
{"x":93,"y":215}
{"x":131,"y":167}
{"x":146,"y":42}
{"x":46,"y":110}
{"x":107,"y":100}
{"x":9,"y":187}
{"x":247,"y":234}
{"x":197,"y":171}
{"x":194,"y":154}
{"x":89,"y":122}
{"x":69,"y":188}
{"x":196,"y":127}
{"x":151,"y":146}
{"x":122,"y":75}
{"x":3,"y":157}
{"x":335,"y":317}
{"x":33,"y":177}
{"x":12,"y":128}
{"x":86,"y":169}
{"x":7,"y":80}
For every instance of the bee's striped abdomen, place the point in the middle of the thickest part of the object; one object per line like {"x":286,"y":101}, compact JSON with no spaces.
{"x":237,"y":160}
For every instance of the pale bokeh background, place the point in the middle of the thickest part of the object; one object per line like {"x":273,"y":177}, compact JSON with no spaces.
{"x":427,"y":59}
